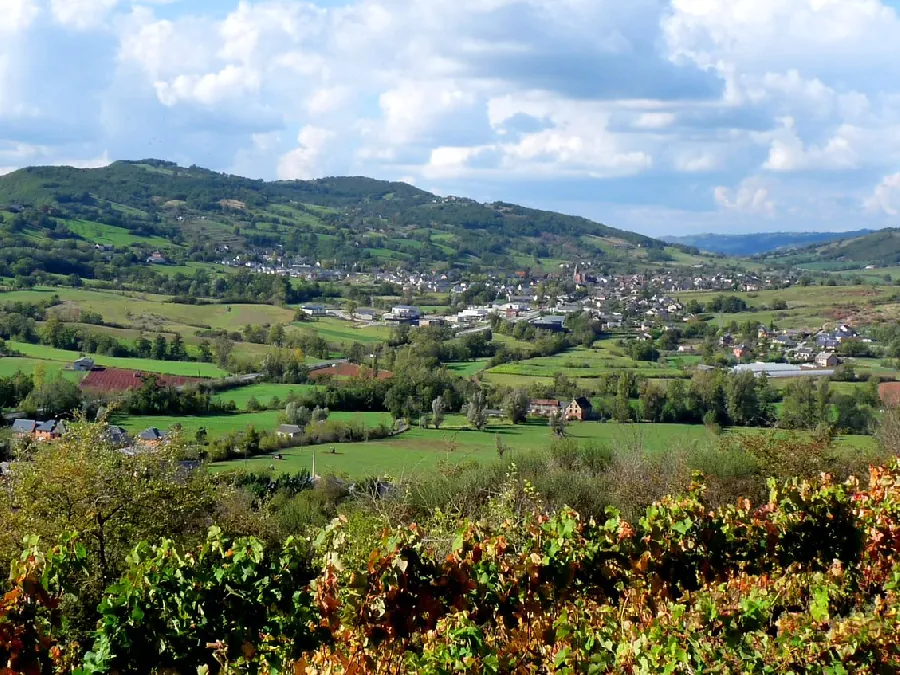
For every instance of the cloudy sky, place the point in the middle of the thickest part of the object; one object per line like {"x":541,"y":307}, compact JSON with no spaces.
{"x":661,"y":116}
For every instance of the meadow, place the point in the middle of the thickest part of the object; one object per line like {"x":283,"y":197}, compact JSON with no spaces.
{"x":808,"y":306}
{"x":422,"y":451}
{"x":262,"y":393}
{"x":65,"y":357}
{"x":220,"y":425}
{"x":585,"y":365}
{"x":10,"y":365}
{"x":344,"y":332}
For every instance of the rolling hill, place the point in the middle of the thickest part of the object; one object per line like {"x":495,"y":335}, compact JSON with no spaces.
{"x":193,"y":214}
{"x":759,"y":243}
{"x":876,"y":249}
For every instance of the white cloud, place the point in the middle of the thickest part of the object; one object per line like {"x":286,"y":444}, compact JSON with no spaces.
{"x":886,"y":198}
{"x":82,"y":14}
{"x":304,"y":162}
{"x":212,"y":88}
{"x":751,"y":196}
{"x":677,"y":100}
{"x":17,"y":15}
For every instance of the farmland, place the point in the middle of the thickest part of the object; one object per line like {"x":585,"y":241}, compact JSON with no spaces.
{"x":808,"y":306}
{"x":62,"y":356}
{"x":583,"y":364}
{"x":421,"y":451}
{"x":263,"y":393}
{"x":220,"y":425}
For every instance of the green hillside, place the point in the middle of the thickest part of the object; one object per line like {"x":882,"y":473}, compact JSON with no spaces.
{"x":881,"y":249}
{"x":190,"y":212}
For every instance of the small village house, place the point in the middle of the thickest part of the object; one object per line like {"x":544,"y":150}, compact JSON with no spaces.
{"x":827,"y":360}
{"x":290,"y":431}
{"x":544,"y":407}
{"x":579,"y":409}
{"x":83,"y":365}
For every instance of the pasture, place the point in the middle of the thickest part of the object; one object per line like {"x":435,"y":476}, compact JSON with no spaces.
{"x":262,"y":393}
{"x":10,"y":365}
{"x":220,"y":425}
{"x":63,"y":357}
{"x":421,"y":451}
{"x":584,"y":365}
{"x":808,"y":306}
{"x":343,"y":332}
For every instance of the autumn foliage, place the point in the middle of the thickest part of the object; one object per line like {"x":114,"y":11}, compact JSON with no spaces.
{"x":808,"y":582}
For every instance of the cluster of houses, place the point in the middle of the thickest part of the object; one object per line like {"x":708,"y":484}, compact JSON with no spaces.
{"x":51,"y":430}
{"x":798,"y":346}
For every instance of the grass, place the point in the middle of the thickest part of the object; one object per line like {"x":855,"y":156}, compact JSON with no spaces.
{"x":343,"y":332}
{"x":808,"y":306}
{"x":422,"y":451}
{"x":100,"y":233}
{"x":63,"y":356}
{"x":220,"y":425}
{"x":10,"y":365}
{"x":467,"y":368}
{"x":262,"y":393}
{"x":582,"y":363}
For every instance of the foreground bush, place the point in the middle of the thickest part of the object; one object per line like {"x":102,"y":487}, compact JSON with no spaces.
{"x":806,"y":583}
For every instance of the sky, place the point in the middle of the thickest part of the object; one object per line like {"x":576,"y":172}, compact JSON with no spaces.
{"x":665,"y":117}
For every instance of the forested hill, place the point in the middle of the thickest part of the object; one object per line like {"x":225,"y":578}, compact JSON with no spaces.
{"x":879,"y":249}
{"x":759,"y":242}
{"x":345,"y":219}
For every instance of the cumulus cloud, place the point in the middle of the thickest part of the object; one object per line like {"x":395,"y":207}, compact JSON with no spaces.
{"x":886,"y":197}
{"x":751,"y":196}
{"x":702,"y":107}
{"x":303,"y":162}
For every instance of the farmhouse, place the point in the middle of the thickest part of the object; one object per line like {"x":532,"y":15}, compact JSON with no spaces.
{"x":289,"y":431}
{"x":83,"y":365}
{"x":24,"y":427}
{"x":544,"y":407}
{"x":42,"y":431}
{"x":315,"y":310}
{"x":580,"y":409}
{"x":49,"y":430}
{"x":827,"y":360}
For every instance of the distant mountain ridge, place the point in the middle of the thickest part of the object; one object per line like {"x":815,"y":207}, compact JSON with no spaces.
{"x":760,"y":243}
{"x":875,"y":249}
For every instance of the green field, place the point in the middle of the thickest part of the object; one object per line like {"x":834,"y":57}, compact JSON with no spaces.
{"x":808,"y":306}
{"x":10,"y":365}
{"x":421,"y":451}
{"x":584,"y":364}
{"x":100,"y":233}
{"x":62,"y":356}
{"x":262,"y":393}
{"x":219,"y":425}
{"x":468,"y":368}
{"x":343,"y":332}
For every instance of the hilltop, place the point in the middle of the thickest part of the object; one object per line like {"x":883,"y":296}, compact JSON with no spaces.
{"x":196,"y":212}
{"x":759,"y":242}
{"x":877,"y":249}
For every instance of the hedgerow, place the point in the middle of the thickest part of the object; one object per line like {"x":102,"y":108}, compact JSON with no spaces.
{"x":808,"y":582}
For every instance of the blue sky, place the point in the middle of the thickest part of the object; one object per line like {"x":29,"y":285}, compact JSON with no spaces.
{"x":661,"y":116}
